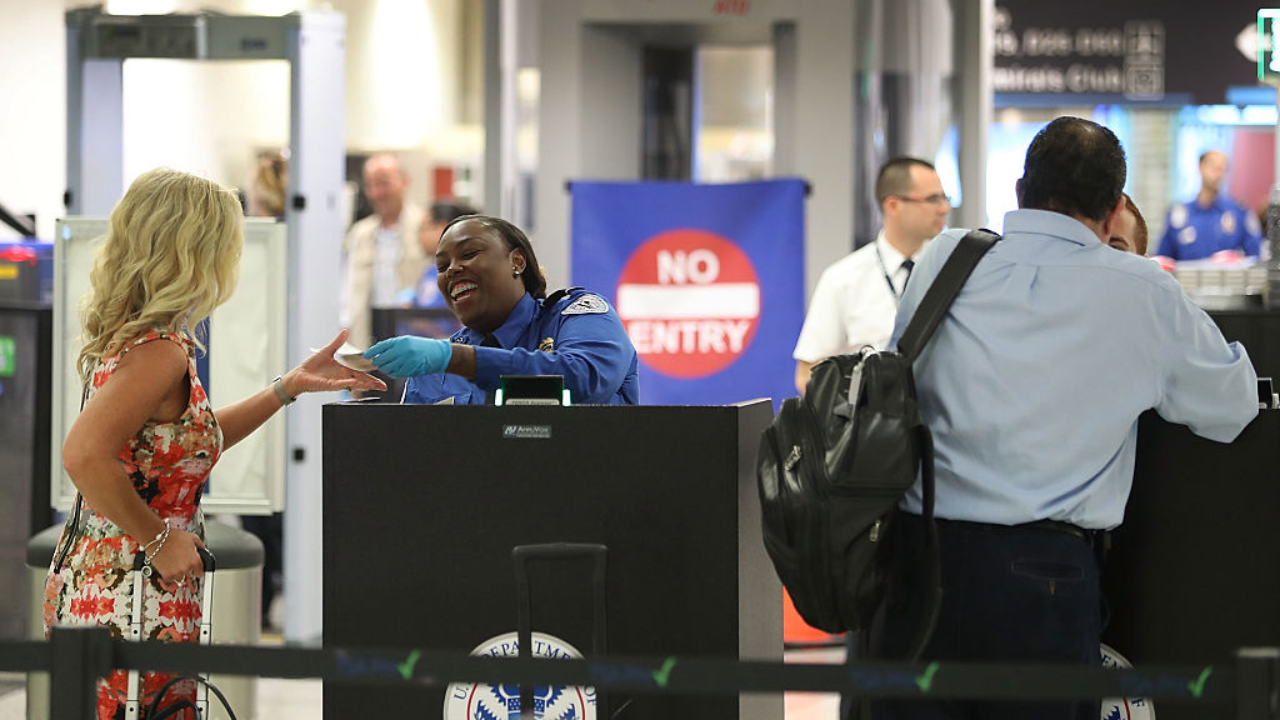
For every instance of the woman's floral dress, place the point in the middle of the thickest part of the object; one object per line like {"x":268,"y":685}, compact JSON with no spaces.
{"x":168,"y":463}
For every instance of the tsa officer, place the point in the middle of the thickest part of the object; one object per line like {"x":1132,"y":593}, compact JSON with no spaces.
{"x":1212,"y":222}
{"x":491,"y":280}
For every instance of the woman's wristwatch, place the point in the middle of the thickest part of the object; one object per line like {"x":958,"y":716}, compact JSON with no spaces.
{"x":278,"y":386}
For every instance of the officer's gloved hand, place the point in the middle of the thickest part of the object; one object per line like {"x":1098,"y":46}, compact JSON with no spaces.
{"x":408,"y":356}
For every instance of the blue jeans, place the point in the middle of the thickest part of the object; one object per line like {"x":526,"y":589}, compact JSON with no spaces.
{"x":1011,"y":595}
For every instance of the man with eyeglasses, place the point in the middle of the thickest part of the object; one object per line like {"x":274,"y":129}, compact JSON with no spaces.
{"x":857,"y":297}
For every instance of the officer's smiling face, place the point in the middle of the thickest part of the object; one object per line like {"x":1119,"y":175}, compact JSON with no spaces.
{"x":477,"y":275}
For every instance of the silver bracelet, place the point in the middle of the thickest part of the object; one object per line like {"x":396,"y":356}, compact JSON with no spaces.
{"x":278,"y":386}
{"x":164,"y":538}
{"x":159,"y":536}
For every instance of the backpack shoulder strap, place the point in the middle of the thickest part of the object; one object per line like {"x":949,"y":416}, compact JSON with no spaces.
{"x":937,"y":299}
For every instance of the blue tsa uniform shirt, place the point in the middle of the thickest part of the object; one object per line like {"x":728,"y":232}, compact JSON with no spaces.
{"x":1193,"y":232}
{"x":572,"y":333}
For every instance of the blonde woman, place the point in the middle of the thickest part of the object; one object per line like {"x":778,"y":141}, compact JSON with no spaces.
{"x":141,"y":448}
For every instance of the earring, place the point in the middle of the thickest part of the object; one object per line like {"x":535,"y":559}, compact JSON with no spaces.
{"x":515,"y":271}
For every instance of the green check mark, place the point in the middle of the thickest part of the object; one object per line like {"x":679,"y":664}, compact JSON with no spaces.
{"x":661,"y":676}
{"x":1197,"y":686}
{"x":406,"y":667}
{"x":925,"y":681}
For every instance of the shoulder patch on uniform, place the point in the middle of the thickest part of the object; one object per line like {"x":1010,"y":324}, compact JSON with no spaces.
{"x":587,"y":305}
{"x":1178,"y":215}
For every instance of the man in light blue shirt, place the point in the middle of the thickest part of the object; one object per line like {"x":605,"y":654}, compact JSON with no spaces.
{"x":1032,"y":387}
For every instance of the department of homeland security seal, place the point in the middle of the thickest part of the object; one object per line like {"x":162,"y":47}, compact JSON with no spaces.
{"x":588,"y":304}
{"x":482,"y":701}
{"x":1123,"y":708}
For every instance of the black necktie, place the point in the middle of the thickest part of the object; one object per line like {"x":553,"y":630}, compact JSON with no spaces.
{"x":907,"y":265}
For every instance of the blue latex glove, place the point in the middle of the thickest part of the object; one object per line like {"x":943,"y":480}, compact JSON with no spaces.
{"x":408,"y":356}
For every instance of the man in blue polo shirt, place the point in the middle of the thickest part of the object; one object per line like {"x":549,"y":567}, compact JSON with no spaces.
{"x":1212,"y":222}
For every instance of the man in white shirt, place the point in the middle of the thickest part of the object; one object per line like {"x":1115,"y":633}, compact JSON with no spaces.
{"x":381,"y":256}
{"x":856,"y":299}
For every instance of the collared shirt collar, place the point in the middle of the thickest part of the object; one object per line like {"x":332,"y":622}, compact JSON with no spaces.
{"x":892,"y":258}
{"x":1220,"y":203}
{"x":510,"y":332}
{"x":1049,"y":224}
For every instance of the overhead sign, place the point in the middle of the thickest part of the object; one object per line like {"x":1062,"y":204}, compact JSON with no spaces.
{"x":1138,"y":50}
{"x":1125,"y":58}
{"x":707,"y":279}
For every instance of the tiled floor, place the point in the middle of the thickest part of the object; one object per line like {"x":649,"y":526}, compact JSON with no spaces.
{"x":301,"y":699}
{"x":13,"y":701}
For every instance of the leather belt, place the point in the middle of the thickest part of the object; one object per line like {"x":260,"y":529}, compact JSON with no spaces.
{"x":1057,"y":526}
{"x":1060,"y":527}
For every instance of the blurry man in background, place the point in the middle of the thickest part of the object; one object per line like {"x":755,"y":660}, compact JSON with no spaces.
{"x":857,"y":297}
{"x":1212,"y":222}
{"x":382,"y":258}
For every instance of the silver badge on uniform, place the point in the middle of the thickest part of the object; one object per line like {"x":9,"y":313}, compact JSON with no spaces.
{"x":1187,"y":235}
{"x":1228,"y":223}
{"x":587,"y":305}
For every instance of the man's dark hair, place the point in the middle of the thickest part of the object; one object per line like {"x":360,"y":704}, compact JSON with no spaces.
{"x":894,"y":177}
{"x":1205,"y":155}
{"x":443,"y":211}
{"x":515,"y":239}
{"x":1073,"y":167}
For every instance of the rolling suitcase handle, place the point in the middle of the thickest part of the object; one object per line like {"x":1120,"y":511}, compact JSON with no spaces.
{"x":206,"y":627}
{"x":521,"y":555}
{"x":201,"y":707}
{"x":141,"y":573}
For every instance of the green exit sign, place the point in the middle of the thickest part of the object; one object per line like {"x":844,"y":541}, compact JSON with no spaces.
{"x":1269,"y":44}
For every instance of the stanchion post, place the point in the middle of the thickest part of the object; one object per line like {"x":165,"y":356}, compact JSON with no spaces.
{"x":1257,"y":683}
{"x":81,"y":656}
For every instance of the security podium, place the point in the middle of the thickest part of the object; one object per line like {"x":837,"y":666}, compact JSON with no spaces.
{"x":1194,"y":571}
{"x":423,"y":506}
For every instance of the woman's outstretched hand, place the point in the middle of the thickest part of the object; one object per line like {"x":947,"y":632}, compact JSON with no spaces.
{"x":321,"y":373}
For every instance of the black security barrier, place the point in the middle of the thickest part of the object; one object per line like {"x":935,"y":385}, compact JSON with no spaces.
{"x":76,"y":658}
{"x":667,"y":494}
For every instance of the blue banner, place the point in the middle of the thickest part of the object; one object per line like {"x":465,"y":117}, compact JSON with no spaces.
{"x":708,"y":279}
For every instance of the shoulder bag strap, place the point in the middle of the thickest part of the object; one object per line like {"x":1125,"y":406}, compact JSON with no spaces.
{"x":945,"y":287}
{"x":73,"y":521}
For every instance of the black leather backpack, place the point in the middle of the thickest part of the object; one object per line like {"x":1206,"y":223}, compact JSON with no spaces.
{"x":834,"y":464}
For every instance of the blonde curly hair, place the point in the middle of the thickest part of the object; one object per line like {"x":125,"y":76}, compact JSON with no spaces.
{"x":171,"y":255}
